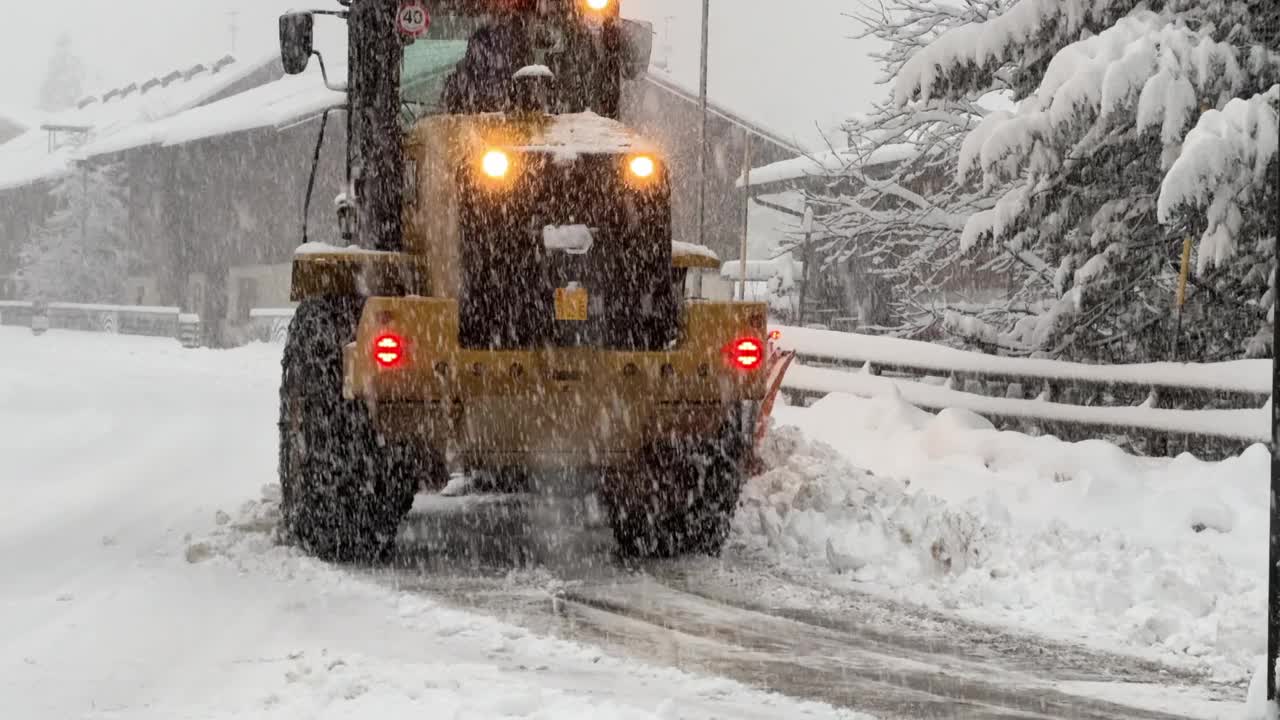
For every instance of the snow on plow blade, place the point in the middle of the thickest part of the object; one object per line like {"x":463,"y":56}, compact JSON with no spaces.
{"x":779,"y":362}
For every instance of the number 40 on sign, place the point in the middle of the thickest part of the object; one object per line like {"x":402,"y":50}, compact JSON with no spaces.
{"x":413,"y":20}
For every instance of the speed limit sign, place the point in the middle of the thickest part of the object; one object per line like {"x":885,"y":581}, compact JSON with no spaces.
{"x":413,"y":19}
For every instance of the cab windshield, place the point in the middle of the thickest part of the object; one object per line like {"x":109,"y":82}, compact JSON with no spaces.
{"x":467,"y":62}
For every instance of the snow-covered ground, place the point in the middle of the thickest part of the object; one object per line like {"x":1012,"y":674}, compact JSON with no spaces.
{"x":140,"y":581}
{"x":124,"y":597}
{"x":1164,"y":558}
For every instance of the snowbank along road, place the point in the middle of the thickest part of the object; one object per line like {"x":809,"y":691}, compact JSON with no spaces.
{"x":142,"y":579}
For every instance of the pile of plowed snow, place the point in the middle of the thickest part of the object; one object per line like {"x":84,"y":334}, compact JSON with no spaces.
{"x":1162,"y":558}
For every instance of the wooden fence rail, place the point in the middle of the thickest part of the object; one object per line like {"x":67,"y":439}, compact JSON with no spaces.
{"x":1211,"y":410}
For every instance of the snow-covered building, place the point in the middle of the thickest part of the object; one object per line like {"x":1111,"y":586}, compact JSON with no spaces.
{"x":49,"y":149}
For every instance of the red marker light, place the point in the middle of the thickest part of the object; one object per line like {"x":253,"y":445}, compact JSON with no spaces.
{"x":388,"y":350}
{"x":747,"y":353}
{"x":775,"y":336}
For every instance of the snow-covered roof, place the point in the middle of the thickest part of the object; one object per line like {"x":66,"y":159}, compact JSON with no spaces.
{"x":115,"y":116}
{"x":270,"y":105}
{"x":20,"y":117}
{"x":130,"y":126}
{"x":830,"y":163}
{"x":27,"y":159}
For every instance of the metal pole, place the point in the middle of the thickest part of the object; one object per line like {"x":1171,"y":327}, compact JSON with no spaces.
{"x":805,"y":261}
{"x":1273,"y":598}
{"x":702,"y":133}
{"x":746,"y":212}
{"x":375,"y":51}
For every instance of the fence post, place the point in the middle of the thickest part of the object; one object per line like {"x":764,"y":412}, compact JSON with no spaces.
{"x":39,"y":318}
{"x":189,"y":330}
{"x":1273,"y":548}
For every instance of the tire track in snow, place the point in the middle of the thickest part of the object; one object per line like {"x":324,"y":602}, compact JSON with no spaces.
{"x":679,"y":614}
{"x":824,"y":663}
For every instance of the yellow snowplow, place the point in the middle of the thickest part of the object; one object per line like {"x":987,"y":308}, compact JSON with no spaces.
{"x":512,"y":301}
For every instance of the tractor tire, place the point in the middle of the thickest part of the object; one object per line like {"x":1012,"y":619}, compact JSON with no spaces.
{"x":681,"y":502}
{"x":344,"y":487}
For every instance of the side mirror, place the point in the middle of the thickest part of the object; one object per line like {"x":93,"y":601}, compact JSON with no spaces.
{"x":296,"y":31}
{"x":637,"y":48}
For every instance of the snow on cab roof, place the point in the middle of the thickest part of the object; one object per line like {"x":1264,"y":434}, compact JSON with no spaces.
{"x":584,"y":133}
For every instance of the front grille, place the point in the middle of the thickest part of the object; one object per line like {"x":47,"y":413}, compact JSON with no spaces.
{"x":509,"y":277}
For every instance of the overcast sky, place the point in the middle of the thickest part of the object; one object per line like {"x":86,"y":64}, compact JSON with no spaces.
{"x":787,"y":63}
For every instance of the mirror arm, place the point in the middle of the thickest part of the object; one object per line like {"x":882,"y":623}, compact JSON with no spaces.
{"x":324,"y":73}
{"x":311,"y":181}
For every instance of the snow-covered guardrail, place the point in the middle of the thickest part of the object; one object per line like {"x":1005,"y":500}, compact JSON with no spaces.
{"x":90,"y":317}
{"x":1251,"y":378}
{"x":270,"y":324}
{"x":1209,"y":409}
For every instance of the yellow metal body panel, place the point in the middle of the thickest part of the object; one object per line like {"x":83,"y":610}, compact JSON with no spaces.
{"x":557,"y":406}
{"x":572,"y":304}
{"x":700,"y":262}
{"x":358,"y":273}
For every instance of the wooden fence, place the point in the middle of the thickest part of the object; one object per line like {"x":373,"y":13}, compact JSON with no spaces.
{"x":1211,"y":410}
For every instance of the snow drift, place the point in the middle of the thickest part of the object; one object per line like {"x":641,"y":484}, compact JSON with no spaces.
{"x":1082,"y":542}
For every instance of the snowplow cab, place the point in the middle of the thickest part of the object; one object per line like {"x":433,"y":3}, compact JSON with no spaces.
{"x":530,"y":317}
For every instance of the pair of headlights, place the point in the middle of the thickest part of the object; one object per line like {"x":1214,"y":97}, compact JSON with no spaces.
{"x":496,"y":164}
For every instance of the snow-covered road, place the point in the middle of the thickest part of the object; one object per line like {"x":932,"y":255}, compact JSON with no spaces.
{"x":118,"y":454}
{"x":140,"y":581}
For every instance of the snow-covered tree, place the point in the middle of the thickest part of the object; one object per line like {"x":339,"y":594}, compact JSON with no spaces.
{"x":63,"y":83}
{"x":1225,"y":184}
{"x":1108,"y":90}
{"x":893,"y":219}
{"x":81,"y":253}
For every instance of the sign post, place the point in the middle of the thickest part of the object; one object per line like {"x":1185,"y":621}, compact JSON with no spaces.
{"x":702,"y":133}
{"x":1273,"y":597}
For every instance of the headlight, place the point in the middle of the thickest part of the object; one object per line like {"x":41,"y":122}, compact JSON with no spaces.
{"x":642,"y":167}
{"x":496,"y":164}
{"x":598,"y":5}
